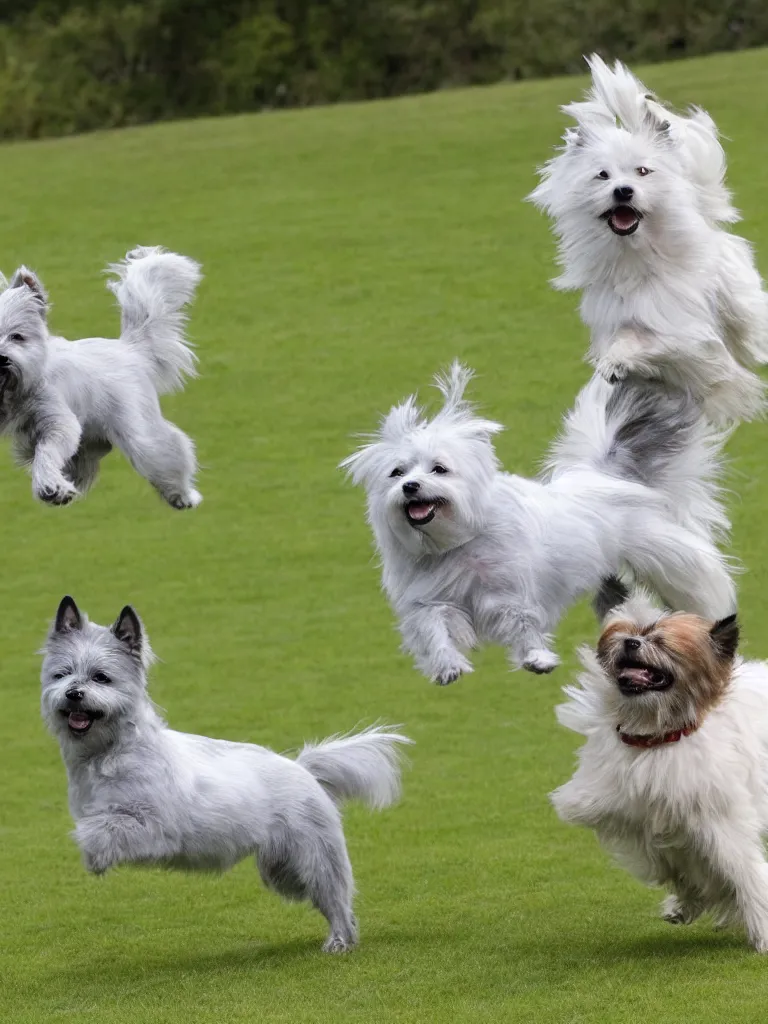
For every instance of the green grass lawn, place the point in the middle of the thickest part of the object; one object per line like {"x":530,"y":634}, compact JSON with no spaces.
{"x":349,"y":253}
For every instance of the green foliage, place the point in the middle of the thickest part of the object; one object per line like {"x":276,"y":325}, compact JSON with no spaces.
{"x":74,"y":66}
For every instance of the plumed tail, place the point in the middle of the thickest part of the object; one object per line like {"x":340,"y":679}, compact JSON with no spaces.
{"x":152,"y":287}
{"x":362,"y":766}
{"x":649,"y":432}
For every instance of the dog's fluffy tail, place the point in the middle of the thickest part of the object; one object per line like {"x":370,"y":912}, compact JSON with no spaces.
{"x":647,"y":431}
{"x":152,"y":287}
{"x":361,"y":766}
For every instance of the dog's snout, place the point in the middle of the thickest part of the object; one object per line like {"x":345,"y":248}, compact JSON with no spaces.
{"x":74,"y":694}
{"x":4,"y":361}
{"x":410,"y":487}
{"x":632,"y":644}
{"x":623,"y":193}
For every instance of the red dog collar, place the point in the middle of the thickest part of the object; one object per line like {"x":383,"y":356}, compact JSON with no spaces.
{"x":655,"y":741}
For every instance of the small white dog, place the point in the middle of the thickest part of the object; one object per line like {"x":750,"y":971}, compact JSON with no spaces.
{"x":638,"y":199}
{"x":66,"y":404}
{"x":141,"y":793}
{"x":470,"y":553}
{"x":674,"y":774}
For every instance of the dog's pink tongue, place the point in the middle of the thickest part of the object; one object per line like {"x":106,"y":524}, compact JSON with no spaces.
{"x":639,"y":676}
{"x":420,"y":511}
{"x":623,"y":218}
{"x":78,"y":720}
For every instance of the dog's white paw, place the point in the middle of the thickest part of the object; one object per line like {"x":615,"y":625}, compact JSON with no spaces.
{"x":55,"y":492}
{"x":612,"y":370}
{"x":449,"y":671}
{"x":181,"y":501}
{"x":336,"y":943}
{"x":540,"y":661}
{"x":95,"y":863}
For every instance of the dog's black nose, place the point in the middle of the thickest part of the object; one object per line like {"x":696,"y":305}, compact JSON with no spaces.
{"x":4,"y":361}
{"x":410,"y":487}
{"x":74,"y":694}
{"x":623,"y":193}
{"x":632,"y":644}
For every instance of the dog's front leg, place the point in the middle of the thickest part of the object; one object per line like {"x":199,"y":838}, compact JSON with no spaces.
{"x":427,"y":636}
{"x":57,"y":437}
{"x":735,"y":851}
{"x":527,"y":643}
{"x":632,"y":350}
{"x":114,"y":837}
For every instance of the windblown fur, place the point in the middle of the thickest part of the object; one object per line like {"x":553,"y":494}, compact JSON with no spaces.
{"x":141,"y":793}
{"x":470,"y":553}
{"x":67,"y":404}
{"x":638,"y":199}
{"x":689,"y":813}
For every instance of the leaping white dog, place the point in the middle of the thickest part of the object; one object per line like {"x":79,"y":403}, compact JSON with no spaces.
{"x":638,"y":200}
{"x":66,"y":404}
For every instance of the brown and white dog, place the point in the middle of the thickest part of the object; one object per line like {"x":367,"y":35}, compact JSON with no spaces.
{"x":673,"y":777}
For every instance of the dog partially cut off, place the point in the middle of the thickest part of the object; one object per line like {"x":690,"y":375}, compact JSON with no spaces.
{"x":141,"y":793}
{"x":68,"y":403}
{"x":674,"y":774}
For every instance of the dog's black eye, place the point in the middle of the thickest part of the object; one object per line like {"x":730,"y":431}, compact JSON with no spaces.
{"x":604,"y":175}
{"x":59,"y":675}
{"x":642,"y":171}
{"x":100,"y":677}
{"x":439,"y":469}
{"x":15,"y":337}
{"x":397,"y":472}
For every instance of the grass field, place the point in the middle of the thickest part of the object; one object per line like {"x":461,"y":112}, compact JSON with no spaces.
{"x":349,"y":253}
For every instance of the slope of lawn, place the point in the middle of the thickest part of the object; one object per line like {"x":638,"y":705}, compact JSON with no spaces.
{"x":349,"y":253}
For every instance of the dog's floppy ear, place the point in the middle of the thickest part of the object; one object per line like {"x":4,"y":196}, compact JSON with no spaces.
{"x":68,"y":618}
{"x":26,"y":278}
{"x":128,"y":630}
{"x":725,"y":637}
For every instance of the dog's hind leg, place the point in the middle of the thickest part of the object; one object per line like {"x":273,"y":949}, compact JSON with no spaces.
{"x":311,"y":863}
{"x":162,"y":454}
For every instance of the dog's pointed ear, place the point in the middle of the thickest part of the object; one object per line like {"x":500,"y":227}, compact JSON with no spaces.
{"x":68,"y":617}
{"x":26,"y":278}
{"x":128,"y":631}
{"x":725,"y":637}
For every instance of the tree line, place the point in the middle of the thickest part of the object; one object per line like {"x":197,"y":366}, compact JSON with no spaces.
{"x":76,"y":66}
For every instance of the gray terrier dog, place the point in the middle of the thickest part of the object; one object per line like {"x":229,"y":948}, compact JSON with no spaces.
{"x":141,"y":793}
{"x":67,"y":404}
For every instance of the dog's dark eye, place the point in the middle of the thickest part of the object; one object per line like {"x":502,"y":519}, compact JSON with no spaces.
{"x":439,"y":469}
{"x":642,"y":171}
{"x":59,"y":675}
{"x":100,"y":677}
{"x":397,"y":472}
{"x":604,"y":175}
{"x":15,"y":337}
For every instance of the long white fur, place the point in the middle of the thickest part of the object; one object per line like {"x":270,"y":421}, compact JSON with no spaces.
{"x":504,"y":559}
{"x":692,"y":815}
{"x":140,"y":792}
{"x":66,"y":404}
{"x":681,"y":297}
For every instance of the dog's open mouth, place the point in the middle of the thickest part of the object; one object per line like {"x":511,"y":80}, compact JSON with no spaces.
{"x":623,"y":220}
{"x":635,"y":677}
{"x":80,"y":722}
{"x":419,"y":513}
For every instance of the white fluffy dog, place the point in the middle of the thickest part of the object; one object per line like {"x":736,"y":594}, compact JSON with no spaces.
{"x":674,"y":774}
{"x":66,"y":404}
{"x":471,"y":553}
{"x":141,"y":793}
{"x":638,"y":199}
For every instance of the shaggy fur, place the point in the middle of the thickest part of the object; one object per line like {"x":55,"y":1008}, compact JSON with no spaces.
{"x":638,"y":200}
{"x":470,"y":553}
{"x":141,"y":793}
{"x":673,"y":776}
{"x":66,"y":404}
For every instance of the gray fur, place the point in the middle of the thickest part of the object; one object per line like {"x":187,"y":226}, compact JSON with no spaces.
{"x":142,"y":793}
{"x":67,"y":404}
